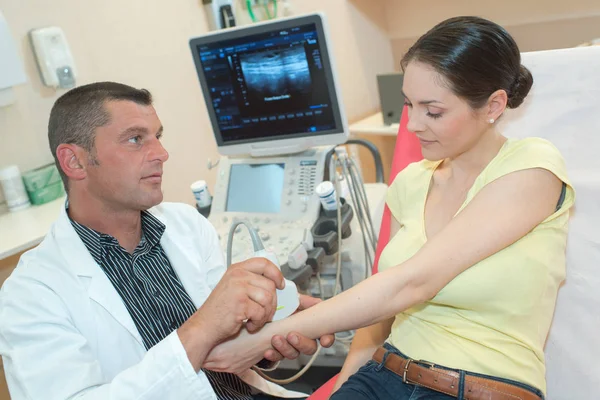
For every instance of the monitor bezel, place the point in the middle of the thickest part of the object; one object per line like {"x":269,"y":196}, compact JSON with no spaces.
{"x":288,"y":143}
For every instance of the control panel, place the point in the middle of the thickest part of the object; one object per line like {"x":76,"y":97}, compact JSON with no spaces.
{"x":276,"y":195}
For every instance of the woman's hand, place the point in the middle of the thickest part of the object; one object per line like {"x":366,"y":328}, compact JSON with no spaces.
{"x":239,"y":353}
{"x":293,"y":344}
{"x":244,"y":350}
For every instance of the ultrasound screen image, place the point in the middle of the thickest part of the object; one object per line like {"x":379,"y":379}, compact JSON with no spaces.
{"x":276,"y":75}
{"x":270,"y":84}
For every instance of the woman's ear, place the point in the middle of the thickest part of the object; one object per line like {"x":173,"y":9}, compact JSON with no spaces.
{"x":496,"y":105}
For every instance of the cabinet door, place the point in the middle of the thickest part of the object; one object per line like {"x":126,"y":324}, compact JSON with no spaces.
{"x":6,"y":267}
{"x":3,"y":389}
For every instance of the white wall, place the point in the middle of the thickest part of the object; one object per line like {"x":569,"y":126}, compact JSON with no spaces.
{"x":144,"y":43}
{"x":406,"y":18}
{"x":535,"y":24}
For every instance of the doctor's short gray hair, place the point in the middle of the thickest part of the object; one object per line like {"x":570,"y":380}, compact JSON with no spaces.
{"x":76,"y":115}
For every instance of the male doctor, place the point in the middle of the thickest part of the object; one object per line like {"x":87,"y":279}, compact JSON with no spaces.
{"x":125,"y":297}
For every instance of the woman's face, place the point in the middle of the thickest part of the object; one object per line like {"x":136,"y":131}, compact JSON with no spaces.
{"x":445,"y":124}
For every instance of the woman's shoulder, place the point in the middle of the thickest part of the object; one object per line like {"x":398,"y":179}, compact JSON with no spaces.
{"x":415,"y":171}
{"x":530,"y":148}
{"x":533,"y":152}
{"x":408,"y":184}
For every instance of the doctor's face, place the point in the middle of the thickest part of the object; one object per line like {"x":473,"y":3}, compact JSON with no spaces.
{"x":127,"y":165}
{"x":445,"y":124}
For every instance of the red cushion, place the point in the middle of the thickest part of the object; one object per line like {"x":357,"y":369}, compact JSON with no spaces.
{"x":408,"y":150}
{"x":324,"y":391}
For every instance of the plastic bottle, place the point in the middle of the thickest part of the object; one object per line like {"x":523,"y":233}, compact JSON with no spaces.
{"x":201,"y":193}
{"x":13,"y":188}
{"x":326,"y":192}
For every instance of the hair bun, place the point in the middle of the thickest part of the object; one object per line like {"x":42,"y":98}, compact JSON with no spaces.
{"x":520,"y":88}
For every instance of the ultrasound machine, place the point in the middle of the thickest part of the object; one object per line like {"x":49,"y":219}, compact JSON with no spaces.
{"x":276,"y":112}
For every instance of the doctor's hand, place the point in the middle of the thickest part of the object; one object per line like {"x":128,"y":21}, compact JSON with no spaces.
{"x":237,"y":354}
{"x":294,"y":344}
{"x":246,"y":292}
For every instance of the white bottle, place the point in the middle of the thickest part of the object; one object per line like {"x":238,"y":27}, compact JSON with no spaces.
{"x":201,"y":193}
{"x":13,"y":188}
{"x":326,"y":192}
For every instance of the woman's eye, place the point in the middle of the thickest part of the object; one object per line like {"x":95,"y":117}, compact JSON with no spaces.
{"x":434,"y":116}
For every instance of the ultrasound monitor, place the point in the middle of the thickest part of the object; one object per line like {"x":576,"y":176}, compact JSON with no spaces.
{"x":270,"y":88}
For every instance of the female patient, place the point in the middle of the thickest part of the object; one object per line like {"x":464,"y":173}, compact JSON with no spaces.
{"x":469,"y":280}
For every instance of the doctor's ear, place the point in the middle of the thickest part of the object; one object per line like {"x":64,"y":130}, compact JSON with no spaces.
{"x":72,"y":160}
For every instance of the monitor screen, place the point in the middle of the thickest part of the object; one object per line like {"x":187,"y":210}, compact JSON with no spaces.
{"x":255,"y":188}
{"x":268,"y":82}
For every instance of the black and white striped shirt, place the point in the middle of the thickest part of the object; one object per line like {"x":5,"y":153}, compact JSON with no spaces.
{"x":152,"y":291}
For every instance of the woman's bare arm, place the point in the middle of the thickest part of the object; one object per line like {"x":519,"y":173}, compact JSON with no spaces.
{"x":502,"y":212}
{"x":367,"y":339}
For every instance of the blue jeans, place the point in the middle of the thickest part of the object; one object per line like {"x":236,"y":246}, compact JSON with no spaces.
{"x":373,"y":381}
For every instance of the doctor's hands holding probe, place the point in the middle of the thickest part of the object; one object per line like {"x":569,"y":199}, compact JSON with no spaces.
{"x":245,"y":293}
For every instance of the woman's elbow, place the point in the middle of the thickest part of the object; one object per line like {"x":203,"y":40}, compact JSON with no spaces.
{"x":413,"y":295}
{"x":424,"y":292}
{"x":408,"y":287}
{"x":423,"y":287}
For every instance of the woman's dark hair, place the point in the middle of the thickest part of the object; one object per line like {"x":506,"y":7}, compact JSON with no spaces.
{"x":476,"y":57}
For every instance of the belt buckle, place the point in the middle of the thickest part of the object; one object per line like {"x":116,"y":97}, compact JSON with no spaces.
{"x":426,"y":363}
{"x":420,"y":362}
{"x":408,"y":361}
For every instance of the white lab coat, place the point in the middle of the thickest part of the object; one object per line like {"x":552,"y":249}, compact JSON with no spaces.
{"x":65,"y":332}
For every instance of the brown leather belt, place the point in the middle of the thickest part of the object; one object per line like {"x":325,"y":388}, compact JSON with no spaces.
{"x":425,"y":374}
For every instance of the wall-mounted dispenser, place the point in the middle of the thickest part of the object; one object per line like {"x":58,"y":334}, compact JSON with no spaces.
{"x":11,"y":67}
{"x":54,"y":58}
{"x":220,"y":13}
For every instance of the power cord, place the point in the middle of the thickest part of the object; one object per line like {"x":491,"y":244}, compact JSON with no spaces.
{"x":351,"y":176}
{"x":359,"y":199}
{"x":257,"y":246}
{"x":256,"y":242}
{"x":338,"y":274}
{"x":379,"y":176}
{"x":340,"y":158}
{"x":265,"y":4}
{"x":297,"y":375}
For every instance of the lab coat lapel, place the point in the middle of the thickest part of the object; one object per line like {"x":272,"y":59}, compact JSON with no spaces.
{"x":178,"y":244}
{"x":99,"y":287}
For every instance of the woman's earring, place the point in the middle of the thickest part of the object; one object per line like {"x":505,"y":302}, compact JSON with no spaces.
{"x":491,"y":120}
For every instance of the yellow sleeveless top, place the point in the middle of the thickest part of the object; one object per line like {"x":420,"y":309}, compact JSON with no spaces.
{"x":493,"y":318}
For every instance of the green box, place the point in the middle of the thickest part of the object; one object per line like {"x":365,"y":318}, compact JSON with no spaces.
{"x":43,"y":184}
